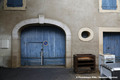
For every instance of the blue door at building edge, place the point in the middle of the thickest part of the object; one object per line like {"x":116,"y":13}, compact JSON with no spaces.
{"x":111,"y":44}
{"x":32,"y":39}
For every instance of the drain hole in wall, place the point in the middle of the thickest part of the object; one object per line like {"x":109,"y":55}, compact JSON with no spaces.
{"x":85,"y":34}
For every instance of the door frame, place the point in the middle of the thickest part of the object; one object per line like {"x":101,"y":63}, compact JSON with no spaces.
{"x":16,"y":59}
{"x":105,"y":29}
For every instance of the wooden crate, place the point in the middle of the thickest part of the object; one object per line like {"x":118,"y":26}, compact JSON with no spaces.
{"x":84,"y":63}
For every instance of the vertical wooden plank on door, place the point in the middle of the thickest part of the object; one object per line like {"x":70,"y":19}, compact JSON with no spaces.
{"x":118,"y":49}
{"x":63,"y":44}
{"x":107,"y":43}
{"x":51,"y":51}
{"x":104,"y":43}
{"x":51,"y":42}
{"x":24,"y":39}
{"x":46,"y":47}
{"x":30,"y":46}
{"x":23,"y":51}
{"x":57,"y":43}
{"x":39,"y":33}
{"x":59,"y":40}
{"x":39,"y":37}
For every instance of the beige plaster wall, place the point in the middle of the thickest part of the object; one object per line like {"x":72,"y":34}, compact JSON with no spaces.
{"x":76,"y":14}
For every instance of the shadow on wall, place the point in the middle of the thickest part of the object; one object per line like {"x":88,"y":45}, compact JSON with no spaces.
{"x":5,"y":61}
{"x":1,"y":4}
{"x":0,"y":1}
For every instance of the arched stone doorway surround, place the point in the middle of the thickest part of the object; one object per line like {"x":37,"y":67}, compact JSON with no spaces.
{"x":16,"y":60}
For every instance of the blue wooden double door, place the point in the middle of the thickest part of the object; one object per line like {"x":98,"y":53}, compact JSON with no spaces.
{"x":111,"y":44}
{"x":32,"y":44}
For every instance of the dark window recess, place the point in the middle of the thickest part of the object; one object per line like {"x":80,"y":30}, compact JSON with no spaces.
{"x":85,"y":34}
{"x":14,"y":3}
{"x":109,"y":4}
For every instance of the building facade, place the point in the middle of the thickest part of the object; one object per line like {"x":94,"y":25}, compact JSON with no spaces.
{"x":83,"y":23}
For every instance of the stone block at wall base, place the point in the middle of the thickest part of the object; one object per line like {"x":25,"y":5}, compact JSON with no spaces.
{"x":68,"y":63}
{"x":5,"y":61}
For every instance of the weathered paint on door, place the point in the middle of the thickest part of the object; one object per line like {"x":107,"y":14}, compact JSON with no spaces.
{"x":31,"y":44}
{"x":111,"y":43}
